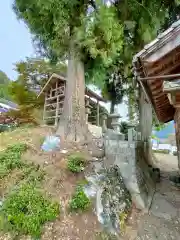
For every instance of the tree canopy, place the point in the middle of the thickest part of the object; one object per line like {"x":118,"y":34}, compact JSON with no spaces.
{"x":34,"y":72}
{"x":4,"y":82}
{"x":95,"y":33}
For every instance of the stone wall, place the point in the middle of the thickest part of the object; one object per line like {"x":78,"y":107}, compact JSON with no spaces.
{"x":130,"y":157}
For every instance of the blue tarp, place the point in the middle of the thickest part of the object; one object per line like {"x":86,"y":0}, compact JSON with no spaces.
{"x":2,"y":110}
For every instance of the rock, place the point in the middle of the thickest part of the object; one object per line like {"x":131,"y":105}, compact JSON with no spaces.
{"x":64,"y":151}
{"x":116,"y":199}
{"x":97,"y":153}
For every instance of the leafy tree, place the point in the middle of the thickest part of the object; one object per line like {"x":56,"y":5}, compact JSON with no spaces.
{"x":87,"y":32}
{"x":114,"y":89}
{"x":22,"y":95}
{"x":4,"y":81}
{"x":4,"y":78}
{"x":74,"y":30}
{"x":34,"y":72}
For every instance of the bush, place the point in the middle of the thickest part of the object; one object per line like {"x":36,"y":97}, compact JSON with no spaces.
{"x":79,"y":200}
{"x":76,"y":163}
{"x":25,"y":211}
{"x":24,"y":115}
{"x":7,"y":127}
{"x":11,"y":158}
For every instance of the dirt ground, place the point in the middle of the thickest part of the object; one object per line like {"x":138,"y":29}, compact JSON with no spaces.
{"x":59,"y":184}
{"x":161,"y":222}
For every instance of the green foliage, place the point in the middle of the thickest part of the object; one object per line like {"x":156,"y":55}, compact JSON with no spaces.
{"x":79,"y":200}
{"x":4,"y":78}
{"x":22,"y":95}
{"x":124,"y":129}
{"x":91,"y":26}
{"x":160,"y":126}
{"x":4,"y":82}
{"x":106,"y":236}
{"x":165,"y":151}
{"x":122,"y":221}
{"x":11,"y":158}
{"x":76,"y":163}
{"x":99,"y":33}
{"x":25,"y":210}
{"x":7,"y":127}
{"x":24,"y":115}
{"x":33,"y":73}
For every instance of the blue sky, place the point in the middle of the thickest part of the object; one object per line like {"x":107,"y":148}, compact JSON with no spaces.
{"x":15,"y":39}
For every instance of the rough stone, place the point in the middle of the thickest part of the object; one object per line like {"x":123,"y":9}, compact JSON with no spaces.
{"x":116,"y":199}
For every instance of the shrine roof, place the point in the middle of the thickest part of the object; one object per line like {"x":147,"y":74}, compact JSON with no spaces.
{"x":160,"y":57}
{"x":61,"y":78}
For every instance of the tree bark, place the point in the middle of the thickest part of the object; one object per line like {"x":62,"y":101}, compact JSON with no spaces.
{"x":112,"y":107}
{"x":146,"y":125}
{"x":72,"y":125}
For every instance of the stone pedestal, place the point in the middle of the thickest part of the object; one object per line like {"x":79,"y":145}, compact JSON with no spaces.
{"x":115,"y":121}
{"x":104,"y":124}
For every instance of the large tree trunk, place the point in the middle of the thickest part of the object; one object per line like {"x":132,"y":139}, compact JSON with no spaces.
{"x":146,"y":125}
{"x":112,"y":107}
{"x":72,"y":125}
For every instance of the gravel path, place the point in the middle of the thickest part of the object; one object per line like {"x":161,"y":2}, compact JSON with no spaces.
{"x":163,"y":220}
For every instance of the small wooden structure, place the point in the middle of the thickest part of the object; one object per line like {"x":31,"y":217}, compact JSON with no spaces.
{"x":54,"y":91}
{"x":157,"y":68}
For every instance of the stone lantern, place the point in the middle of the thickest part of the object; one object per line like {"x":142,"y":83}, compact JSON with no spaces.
{"x":115,"y":121}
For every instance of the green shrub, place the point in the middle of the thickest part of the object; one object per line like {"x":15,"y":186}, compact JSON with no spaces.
{"x":7,"y":127}
{"x":106,"y":236}
{"x":79,"y":200}
{"x":76,"y":163}
{"x":11,"y":158}
{"x":25,"y":211}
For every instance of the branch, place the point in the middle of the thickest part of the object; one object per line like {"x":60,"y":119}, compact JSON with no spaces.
{"x":144,"y":8}
{"x":93,"y":4}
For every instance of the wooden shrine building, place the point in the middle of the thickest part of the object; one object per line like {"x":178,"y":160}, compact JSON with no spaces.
{"x":157,"y":68}
{"x":54,"y":92}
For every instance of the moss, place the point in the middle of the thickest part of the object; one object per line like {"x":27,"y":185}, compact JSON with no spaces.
{"x":122,"y":221}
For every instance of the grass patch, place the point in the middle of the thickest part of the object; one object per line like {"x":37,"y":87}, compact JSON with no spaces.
{"x":79,"y":201}
{"x":76,"y":163}
{"x":11,"y":158}
{"x":122,"y":221}
{"x":106,"y":236}
{"x":161,"y":151}
{"x":25,"y":211}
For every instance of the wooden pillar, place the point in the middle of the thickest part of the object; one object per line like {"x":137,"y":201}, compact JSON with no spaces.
{"x":44,"y":111}
{"x":57,"y":111}
{"x":177,"y":131}
{"x":97,"y":113}
{"x":146,"y":126}
{"x":87,"y":109}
